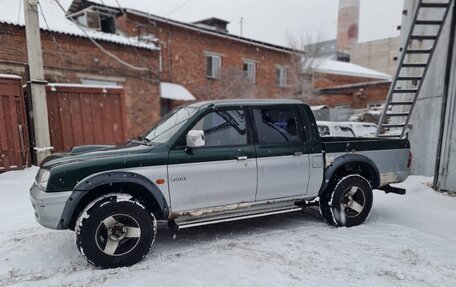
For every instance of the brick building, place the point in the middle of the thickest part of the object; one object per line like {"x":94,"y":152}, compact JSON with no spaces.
{"x":70,"y":57}
{"x":158,"y":62}
{"x":203,"y":57}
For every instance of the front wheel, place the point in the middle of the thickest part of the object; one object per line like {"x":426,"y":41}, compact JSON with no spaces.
{"x":115,"y":230}
{"x":347,"y":202}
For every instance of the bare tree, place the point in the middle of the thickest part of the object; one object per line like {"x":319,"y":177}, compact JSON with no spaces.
{"x":232,"y":83}
{"x":305,"y":61}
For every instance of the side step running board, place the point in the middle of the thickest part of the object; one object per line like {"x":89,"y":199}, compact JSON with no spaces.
{"x":201,"y":222}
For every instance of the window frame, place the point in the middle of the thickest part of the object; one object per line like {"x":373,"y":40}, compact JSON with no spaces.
{"x":213,"y":76}
{"x":299,"y":123}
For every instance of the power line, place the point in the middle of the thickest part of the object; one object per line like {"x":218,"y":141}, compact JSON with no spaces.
{"x":133,"y":67}
{"x":177,"y":8}
{"x":62,"y":58}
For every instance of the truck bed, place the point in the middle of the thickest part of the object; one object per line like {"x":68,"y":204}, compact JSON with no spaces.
{"x":390,"y":155}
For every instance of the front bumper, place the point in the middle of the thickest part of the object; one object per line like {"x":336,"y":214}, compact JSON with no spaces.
{"x":48,"y":206}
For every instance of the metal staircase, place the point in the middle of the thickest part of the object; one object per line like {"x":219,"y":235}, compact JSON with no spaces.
{"x":408,"y":80}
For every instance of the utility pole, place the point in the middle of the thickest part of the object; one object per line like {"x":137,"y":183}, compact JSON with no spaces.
{"x":242,"y":25}
{"x":37,"y":82}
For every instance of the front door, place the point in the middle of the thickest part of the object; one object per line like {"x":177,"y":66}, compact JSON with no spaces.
{"x":221,"y":173}
{"x":282,"y":155}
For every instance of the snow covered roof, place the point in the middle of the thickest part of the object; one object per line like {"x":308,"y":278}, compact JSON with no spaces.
{"x":11,"y":12}
{"x":348,"y":69}
{"x":8,"y":76}
{"x":175,"y":92}
{"x":136,"y":8}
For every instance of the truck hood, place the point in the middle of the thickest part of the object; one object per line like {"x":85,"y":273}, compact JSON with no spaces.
{"x":93,"y":153}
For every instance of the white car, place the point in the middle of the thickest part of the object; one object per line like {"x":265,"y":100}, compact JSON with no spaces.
{"x":334,"y":129}
{"x":362,"y":129}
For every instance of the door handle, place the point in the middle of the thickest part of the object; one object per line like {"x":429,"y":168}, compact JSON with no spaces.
{"x":242,"y":158}
{"x":298,"y":153}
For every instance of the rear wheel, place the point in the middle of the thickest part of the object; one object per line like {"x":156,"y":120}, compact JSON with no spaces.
{"x":347,"y":202}
{"x":115,"y":230}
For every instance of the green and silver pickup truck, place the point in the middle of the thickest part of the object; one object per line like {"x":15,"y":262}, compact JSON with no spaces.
{"x":211,"y":162}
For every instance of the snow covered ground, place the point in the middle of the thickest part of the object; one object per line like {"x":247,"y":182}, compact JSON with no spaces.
{"x":407,"y":241}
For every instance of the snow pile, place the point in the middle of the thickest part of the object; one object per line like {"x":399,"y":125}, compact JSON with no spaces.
{"x":407,"y":241}
{"x":349,"y":69}
{"x":11,"y":12}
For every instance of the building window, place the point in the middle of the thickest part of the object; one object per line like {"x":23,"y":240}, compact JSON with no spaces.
{"x":281,"y":75}
{"x":250,"y":71}
{"x":214,"y":66}
{"x":96,"y":18}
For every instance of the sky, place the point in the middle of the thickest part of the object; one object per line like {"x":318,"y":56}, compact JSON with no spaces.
{"x":275,"y":21}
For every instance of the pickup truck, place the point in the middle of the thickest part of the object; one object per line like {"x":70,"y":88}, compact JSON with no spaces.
{"x":211,"y":162}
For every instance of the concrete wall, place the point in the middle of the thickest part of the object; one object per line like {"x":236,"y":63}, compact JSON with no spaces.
{"x":426,"y":117}
{"x":377,"y":55}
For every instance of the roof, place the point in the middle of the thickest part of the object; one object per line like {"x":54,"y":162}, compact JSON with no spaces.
{"x":340,"y":88}
{"x":175,"y":92}
{"x":128,"y":6}
{"x":347,"y":69}
{"x":10,"y":13}
{"x":245,"y":102}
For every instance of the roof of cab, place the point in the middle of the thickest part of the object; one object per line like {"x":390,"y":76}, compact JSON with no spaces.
{"x":244,"y":102}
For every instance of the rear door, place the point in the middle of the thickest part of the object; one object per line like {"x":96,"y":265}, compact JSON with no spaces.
{"x":221,"y":173}
{"x":282,"y":155}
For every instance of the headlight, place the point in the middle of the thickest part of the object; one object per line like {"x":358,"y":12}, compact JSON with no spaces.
{"x":42,"y":178}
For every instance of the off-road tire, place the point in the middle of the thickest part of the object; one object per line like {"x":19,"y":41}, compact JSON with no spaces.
{"x":117,"y":216}
{"x":337,"y":201}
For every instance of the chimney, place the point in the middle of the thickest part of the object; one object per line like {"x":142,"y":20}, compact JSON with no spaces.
{"x":348,"y":24}
{"x":216,"y":24}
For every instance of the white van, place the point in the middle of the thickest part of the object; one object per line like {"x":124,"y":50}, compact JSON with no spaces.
{"x":367,"y":130}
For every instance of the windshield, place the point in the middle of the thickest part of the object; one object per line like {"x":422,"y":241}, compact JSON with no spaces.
{"x":169,"y":125}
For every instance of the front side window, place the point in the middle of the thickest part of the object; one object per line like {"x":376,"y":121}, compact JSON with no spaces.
{"x":250,"y":71}
{"x":276,"y":126}
{"x":213,"y":66}
{"x":224,"y":128}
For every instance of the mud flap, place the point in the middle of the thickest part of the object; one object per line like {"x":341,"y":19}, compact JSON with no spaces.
{"x":391,"y":189}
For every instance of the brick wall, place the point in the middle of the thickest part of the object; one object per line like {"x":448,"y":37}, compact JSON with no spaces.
{"x":184,"y":61}
{"x":73,"y":58}
{"x":357,"y":97}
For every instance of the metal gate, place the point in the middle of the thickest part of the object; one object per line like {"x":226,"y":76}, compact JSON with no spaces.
{"x":82,"y":115}
{"x":14,"y":142}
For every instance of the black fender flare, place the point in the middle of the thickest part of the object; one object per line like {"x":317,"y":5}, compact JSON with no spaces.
{"x":351,"y":158}
{"x":84,"y":187}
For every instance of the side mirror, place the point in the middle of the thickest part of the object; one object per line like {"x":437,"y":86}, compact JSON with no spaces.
{"x":195,"y":138}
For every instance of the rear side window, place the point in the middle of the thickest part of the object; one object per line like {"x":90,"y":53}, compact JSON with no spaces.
{"x":276,"y":126}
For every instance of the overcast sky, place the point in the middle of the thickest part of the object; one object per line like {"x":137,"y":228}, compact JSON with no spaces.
{"x":272,"y":20}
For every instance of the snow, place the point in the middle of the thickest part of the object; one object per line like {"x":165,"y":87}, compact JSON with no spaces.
{"x":407,"y":241}
{"x":7,"y":76}
{"x":11,"y":13}
{"x":349,"y":69}
{"x":175,"y":92}
{"x":71,"y":85}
